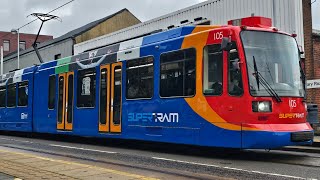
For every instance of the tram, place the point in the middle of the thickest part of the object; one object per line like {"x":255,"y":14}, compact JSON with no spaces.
{"x":233,"y":86}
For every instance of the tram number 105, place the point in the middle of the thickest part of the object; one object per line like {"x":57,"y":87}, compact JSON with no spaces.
{"x":292,"y":103}
{"x":218,"y":35}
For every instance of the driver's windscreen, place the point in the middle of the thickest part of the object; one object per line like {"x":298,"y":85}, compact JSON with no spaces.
{"x":277,"y":58}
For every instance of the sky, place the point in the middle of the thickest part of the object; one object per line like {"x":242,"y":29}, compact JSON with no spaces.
{"x":14,"y":13}
{"x":79,"y":12}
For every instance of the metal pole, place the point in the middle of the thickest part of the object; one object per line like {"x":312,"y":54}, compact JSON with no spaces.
{"x":1,"y":60}
{"x":18,"y":48}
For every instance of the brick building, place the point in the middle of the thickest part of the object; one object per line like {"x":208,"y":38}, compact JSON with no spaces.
{"x":9,"y":41}
{"x":308,"y":51}
{"x":315,"y":97}
{"x":312,"y":53}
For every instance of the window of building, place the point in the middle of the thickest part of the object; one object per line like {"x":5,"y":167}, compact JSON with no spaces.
{"x":23,"y":93}
{"x":2,"y":96}
{"x":57,"y":56}
{"x":52,"y":92}
{"x":140,"y":78}
{"x":6,"y":45}
{"x":177,"y":74}
{"x":212,"y":70}
{"x":22,"y":45}
{"x":86,"y":90}
{"x":11,"y":100}
{"x":235,"y":87}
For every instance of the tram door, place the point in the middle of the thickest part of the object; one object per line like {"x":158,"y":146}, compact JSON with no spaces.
{"x":65,"y":101}
{"x":110,"y":98}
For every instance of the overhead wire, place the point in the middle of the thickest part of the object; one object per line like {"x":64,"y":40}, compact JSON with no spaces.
{"x":47,"y":13}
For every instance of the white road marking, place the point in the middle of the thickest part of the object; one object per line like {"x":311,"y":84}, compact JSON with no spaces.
{"x":84,"y":149}
{"x":230,"y":168}
{"x":17,"y":140}
{"x":193,"y":163}
{"x":69,"y":147}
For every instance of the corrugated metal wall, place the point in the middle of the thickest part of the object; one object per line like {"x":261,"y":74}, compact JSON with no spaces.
{"x":286,"y":14}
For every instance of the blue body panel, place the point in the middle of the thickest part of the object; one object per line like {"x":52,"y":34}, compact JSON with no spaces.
{"x":19,"y":118}
{"x":268,"y":140}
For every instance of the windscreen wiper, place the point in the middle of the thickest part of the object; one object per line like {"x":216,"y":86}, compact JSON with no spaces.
{"x":264,"y":83}
{"x":303,"y":76}
{"x":256,"y":72}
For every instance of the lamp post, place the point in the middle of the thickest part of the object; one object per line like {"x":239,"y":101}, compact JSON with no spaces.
{"x":16,"y":31}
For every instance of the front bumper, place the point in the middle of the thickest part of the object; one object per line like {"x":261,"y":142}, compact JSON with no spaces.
{"x":271,"y":136}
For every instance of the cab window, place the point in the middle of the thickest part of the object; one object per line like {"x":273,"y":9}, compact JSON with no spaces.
{"x":235,"y":87}
{"x":212,"y":70}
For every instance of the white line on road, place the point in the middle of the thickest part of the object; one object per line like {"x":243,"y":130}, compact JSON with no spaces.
{"x":84,"y":149}
{"x":16,"y":140}
{"x":229,"y":168}
{"x":56,"y":145}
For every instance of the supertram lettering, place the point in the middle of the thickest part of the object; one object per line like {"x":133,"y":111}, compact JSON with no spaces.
{"x":291,"y":115}
{"x":162,"y":117}
{"x":137,"y":117}
{"x":154,"y":117}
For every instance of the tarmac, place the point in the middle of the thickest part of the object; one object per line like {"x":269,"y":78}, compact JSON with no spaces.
{"x":24,"y":166}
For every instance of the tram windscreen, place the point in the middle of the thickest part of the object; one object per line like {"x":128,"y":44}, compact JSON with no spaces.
{"x":277,"y":59}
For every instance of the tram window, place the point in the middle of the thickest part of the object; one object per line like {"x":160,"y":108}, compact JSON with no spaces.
{"x":70,"y":99}
{"x":86,"y":90}
{"x":117,"y":96}
{"x":177,"y":77}
{"x":235,"y":87}
{"x":51,"y":94}
{"x":2,"y":96}
{"x":60,"y":98}
{"x":103,"y":95}
{"x":212,"y":70}
{"x":140,"y":78}
{"x":11,"y":100}
{"x":23,"y":93}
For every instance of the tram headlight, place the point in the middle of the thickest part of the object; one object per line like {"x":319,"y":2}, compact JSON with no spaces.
{"x":261,"y":106}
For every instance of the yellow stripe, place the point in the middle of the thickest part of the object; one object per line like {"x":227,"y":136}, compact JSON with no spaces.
{"x":84,"y":165}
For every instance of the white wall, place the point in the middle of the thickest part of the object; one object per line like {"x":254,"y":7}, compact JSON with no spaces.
{"x":286,"y":15}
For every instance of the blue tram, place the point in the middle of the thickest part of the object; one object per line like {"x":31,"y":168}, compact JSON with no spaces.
{"x":173,"y":86}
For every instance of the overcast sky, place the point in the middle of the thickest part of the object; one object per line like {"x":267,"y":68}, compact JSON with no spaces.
{"x":13,"y":13}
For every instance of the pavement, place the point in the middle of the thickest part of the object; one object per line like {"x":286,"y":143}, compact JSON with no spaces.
{"x":24,"y":166}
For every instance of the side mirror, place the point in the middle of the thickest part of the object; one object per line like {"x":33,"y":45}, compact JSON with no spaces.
{"x":225,"y":44}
